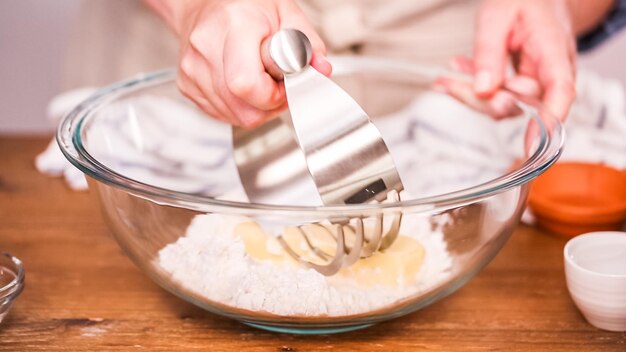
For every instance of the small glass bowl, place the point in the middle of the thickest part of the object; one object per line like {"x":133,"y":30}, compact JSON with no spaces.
{"x":11,"y":282}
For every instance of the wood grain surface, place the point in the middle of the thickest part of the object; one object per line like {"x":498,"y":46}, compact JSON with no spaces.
{"x":83,"y":294}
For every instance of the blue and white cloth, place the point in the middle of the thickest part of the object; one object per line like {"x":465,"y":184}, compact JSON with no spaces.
{"x":615,"y":21}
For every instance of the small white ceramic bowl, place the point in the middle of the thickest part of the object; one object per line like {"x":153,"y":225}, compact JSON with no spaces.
{"x":595,"y":269}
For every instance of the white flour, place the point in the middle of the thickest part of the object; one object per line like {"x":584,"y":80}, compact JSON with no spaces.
{"x":213,"y":262}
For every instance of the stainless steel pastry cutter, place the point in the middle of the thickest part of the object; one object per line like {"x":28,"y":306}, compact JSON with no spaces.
{"x":325,"y":149}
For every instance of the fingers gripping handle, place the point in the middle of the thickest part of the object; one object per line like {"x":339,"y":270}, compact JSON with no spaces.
{"x":286,"y":52}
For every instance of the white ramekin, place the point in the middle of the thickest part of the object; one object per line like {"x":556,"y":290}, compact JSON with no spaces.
{"x":595,"y":269}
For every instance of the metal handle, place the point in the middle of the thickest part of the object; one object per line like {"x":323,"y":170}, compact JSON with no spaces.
{"x":286,"y":52}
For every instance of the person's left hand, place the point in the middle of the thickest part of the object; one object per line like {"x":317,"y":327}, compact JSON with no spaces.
{"x":537,"y":37}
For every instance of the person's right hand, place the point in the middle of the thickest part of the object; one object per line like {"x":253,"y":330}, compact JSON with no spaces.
{"x":220,"y":65}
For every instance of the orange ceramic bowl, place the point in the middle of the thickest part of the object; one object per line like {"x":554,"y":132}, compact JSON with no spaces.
{"x":573,"y":198}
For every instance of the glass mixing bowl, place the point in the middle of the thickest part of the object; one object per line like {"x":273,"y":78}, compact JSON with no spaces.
{"x":168,"y":186}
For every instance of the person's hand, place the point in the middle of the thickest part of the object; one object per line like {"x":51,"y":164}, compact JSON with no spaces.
{"x":499,"y":104}
{"x":538,"y":38}
{"x":220,"y":66}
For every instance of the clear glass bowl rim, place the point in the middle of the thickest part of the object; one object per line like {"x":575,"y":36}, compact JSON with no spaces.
{"x":13,"y":288}
{"x":70,"y":142}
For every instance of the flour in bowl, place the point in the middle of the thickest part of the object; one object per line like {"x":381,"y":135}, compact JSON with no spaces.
{"x":212,"y":260}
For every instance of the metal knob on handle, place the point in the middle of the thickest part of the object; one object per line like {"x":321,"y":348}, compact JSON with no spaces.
{"x":288,"y":51}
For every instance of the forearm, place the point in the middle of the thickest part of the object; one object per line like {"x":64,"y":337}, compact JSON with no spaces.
{"x":588,"y":14}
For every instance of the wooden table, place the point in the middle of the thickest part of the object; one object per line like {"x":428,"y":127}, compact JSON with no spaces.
{"x":83,"y":294}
